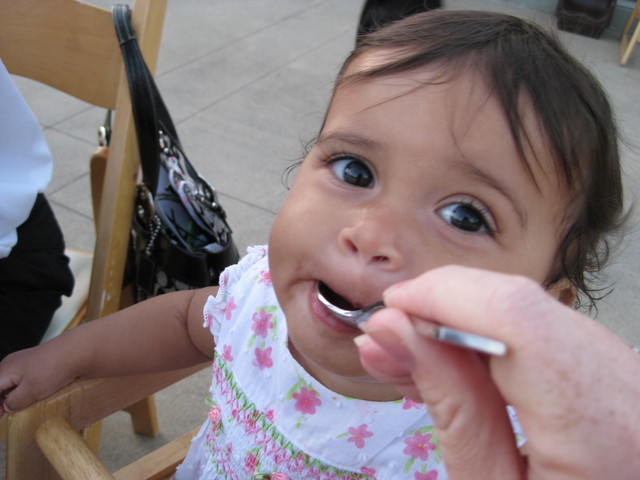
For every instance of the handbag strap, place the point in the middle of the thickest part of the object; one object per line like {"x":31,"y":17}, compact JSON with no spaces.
{"x":149,"y":111}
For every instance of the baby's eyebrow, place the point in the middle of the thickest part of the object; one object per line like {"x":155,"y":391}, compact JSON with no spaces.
{"x":476,"y":172}
{"x":351,"y":139}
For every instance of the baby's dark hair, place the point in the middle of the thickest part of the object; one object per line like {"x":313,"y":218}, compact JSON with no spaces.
{"x":516,"y":57}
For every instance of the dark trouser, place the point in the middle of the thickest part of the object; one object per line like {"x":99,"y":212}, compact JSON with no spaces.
{"x":32,"y":280}
{"x":376,"y":13}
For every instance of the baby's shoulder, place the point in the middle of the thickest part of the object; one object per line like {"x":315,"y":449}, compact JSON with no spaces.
{"x":256,"y":257}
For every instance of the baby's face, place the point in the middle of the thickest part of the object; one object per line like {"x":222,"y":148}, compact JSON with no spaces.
{"x":405,"y":178}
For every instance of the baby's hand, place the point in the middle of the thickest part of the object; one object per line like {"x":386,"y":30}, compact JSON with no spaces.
{"x":31,"y":374}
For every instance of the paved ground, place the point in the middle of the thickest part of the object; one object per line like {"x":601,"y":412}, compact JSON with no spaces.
{"x":247,"y":83}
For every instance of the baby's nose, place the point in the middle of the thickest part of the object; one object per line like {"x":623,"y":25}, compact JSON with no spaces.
{"x":375,"y":239}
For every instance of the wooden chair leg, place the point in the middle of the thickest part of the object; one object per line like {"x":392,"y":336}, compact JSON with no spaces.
{"x":67,"y":451}
{"x":144,"y":417}
{"x":92,"y":435}
{"x":627,"y":43}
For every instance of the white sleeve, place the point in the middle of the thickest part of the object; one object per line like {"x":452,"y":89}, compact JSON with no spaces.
{"x":25,"y":161}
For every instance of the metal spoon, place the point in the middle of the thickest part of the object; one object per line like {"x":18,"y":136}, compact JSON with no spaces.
{"x":437,"y":332}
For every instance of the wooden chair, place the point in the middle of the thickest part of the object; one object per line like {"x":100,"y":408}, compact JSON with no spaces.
{"x":71,"y":313}
{"x":72,"y":46}
{"x":628,"y":42}
{"x":44,"y":442}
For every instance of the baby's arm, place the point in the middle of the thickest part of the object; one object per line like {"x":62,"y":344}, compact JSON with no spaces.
{"x":163,"y":333}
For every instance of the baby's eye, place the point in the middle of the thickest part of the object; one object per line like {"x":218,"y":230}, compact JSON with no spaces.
{"x":467,"y":217}
{"x":352,"y":170}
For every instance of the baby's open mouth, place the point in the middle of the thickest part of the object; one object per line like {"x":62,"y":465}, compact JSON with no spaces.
{"x":337,"y":300}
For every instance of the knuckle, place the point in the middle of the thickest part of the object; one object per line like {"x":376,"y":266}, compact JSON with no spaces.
{"x":517,"y":296}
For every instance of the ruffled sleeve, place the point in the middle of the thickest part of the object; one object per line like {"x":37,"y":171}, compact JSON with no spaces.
{"x":221,"y":306}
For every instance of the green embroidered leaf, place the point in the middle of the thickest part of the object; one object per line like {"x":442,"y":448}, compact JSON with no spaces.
{"x":408,"y":465}
{"x":274,"y":330}
{"x":297,"y":386}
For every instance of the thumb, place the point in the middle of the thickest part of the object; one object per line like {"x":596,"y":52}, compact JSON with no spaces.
{"x":26,"y":377}
{"x":7,"y":386}
{"x":470,"y":417}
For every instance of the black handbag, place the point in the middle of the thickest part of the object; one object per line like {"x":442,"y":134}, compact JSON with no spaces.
{"x":180,"y":236}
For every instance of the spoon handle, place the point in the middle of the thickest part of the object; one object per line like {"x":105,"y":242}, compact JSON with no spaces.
{"x":470,"y":340}
{"x":461,"y":339}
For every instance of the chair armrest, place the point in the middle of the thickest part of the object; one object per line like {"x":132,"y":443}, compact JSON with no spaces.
{"x":160,"y":463}
{"x":82,"y":403}
{"x":72,"y":458}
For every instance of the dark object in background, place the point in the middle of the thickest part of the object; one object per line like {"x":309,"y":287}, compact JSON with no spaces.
{"x":376,"y":13}
{"x":585,"y":17}
{"x":33,"y":279}
{"x":181,"y":239}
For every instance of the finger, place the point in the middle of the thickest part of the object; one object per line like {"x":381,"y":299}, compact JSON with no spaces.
{"x":381,"y":362}
{"x":24,"y":379}
{"x":460,"y":396}
{"x":560,"y":370}
{"x":384,"y":366}
{"x":7,"y":385}
{"x":4,"y":408}
{"x":469,"y":299}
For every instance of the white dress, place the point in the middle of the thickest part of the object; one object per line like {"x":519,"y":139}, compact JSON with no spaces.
{"x":269,"y":416}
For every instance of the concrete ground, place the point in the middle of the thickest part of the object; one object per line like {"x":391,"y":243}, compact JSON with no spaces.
{"x":247,"y":83}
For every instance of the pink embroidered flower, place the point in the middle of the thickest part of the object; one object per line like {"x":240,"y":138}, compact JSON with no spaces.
{"x":208,"y":319}
{"x":270,"y":414}
{"x":215,"y":417}
{"x":251,"y":426}
{"x":263,"y":358}
{"x":281,"y":456}
{"x":306,"y":401}
{"x":358,"y":434}
{"x":250,"y":463}
{"x":368,"y":471}
{"x":419,"y":446}
{"x":231,"y":306}
{"x":278,"y":476}
{"x":262,"y":323}
{"x":265,"y":277}
{"x":226,"y":353}
{"x":409,"y":404}
{"x":432,"y":475}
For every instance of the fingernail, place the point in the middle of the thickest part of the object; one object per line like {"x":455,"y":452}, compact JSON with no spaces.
{"x":360,"y":340}
{"x":363,"y":326}
{"x":366,"y":327}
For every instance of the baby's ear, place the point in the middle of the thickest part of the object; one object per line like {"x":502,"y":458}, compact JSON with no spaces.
{"x":563,"y":291}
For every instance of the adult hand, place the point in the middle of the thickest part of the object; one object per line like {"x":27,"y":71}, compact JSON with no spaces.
{"x":575,"y":385}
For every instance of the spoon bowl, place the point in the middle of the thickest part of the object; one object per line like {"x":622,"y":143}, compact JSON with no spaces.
{"x":350,"y":317}
{"x":437,"y":332}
